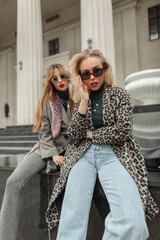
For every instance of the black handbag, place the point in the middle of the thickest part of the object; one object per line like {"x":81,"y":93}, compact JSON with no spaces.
{"x":51,"y":166}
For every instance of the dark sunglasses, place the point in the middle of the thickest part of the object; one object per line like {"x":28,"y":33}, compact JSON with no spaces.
{"x":56,"y":79}
{"x":97,"y":72}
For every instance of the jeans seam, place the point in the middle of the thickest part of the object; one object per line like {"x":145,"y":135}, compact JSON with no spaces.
{"x":101,"y":181}
{"x":89,"y":164}
{"x":89,"y":205}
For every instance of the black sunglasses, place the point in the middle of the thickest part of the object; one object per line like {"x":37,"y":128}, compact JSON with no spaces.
{"x":97,"y":72}
{"x":56,"y":79}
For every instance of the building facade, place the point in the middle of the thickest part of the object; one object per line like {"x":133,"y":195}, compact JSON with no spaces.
{"x":35,"y":34}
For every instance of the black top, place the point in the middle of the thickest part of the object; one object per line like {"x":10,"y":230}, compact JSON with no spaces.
{"x":64,"y":98}
{"x":96,"y":101}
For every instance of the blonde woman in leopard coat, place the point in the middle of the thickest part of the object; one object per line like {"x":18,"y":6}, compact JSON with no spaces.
{"x":102,"y":144}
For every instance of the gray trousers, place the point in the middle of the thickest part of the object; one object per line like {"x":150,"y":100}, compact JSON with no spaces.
{"x":11,"y":205}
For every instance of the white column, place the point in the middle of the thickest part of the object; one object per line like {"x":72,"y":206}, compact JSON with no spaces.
{"x":97,"y":26}
{"x":29,"y":59}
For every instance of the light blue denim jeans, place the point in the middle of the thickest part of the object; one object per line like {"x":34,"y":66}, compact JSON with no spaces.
{"x":126,"y":220}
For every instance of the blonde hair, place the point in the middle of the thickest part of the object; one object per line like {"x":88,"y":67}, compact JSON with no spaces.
{"x":75,"y":70}
{"x":48,"y":93}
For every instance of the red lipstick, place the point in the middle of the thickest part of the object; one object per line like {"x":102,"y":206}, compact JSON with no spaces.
{"x":94,"y":84}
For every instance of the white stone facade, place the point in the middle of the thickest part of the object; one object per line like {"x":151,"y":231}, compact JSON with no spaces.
{"x":29,"y":59}
{"x":125,"y":42}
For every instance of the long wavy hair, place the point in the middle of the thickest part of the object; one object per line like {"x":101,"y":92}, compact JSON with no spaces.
{"x":75,"y":70}
{"x":48,"y":93}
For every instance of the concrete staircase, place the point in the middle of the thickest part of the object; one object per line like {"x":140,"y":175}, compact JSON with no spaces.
{"x":17,"y":139}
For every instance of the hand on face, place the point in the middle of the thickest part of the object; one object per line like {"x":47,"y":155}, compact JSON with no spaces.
{"x":83,"y":89}
{"x":93,"y":73}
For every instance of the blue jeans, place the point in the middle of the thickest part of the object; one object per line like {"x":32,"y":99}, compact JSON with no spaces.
{"x":126,"y":220}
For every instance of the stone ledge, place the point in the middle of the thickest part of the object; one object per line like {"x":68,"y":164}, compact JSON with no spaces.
{"x":10,"y":162}
{"x":154,"y":179}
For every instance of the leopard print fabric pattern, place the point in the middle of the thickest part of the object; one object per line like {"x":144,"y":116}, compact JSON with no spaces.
{"x":117,"y":130}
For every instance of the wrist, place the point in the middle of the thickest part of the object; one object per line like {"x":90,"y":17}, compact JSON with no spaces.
{"x":83,"y":107}
{"x":89,"y":134}
{"x":84,"y":101}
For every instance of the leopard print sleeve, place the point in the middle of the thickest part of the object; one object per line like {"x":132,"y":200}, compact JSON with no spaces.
{"x":122,"y":128}
{"x":78,"y":126}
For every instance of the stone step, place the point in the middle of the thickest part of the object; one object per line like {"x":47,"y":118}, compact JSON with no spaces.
{"x":16,"y":133}
{"x":17,"y":129}
{"x":14,"y":150}
{"x":17,"y":143}
{"x":19,"y":126}
{"x":17,"y":139}
{"x":20,"y":138}
{"x":26,"y":129}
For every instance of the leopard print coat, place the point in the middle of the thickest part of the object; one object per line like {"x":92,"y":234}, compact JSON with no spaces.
{"x":117,"y":130}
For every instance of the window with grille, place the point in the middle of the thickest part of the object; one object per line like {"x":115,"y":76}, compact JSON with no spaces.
{"x":53,"y":46}
{"x":154,"y":22}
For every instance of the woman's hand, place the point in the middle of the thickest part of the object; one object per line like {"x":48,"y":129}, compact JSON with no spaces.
{"x":58,"y":160}
{"x":89,"y":134}
{"x":83,"y":90}
{"x":84,"y":96}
